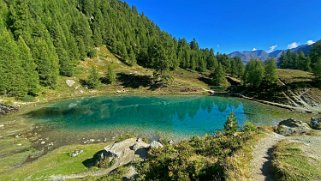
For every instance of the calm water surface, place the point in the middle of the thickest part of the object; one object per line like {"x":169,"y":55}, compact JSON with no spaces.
{"x":175,"y":115}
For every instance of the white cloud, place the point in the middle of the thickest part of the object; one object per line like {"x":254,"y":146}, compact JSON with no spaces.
{"x":310,"y":42}
{"x":293,"y":45}
{"x":272,"y":48}
{"x":254,"y":49}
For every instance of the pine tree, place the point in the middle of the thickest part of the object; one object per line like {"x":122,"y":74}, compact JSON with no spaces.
{"x":317,"y":72}
{"x":66,"y":63}
{"x":131,"y":57}
{"x":12,"y":74}
{"x":231,"y":124}
{"x":237,"y":67}
{"x":271,"y":76}
{"x":111,"y":75}
{"x":218,"y":76}
{"x":30,"y":74}
{"x":158,"y":57}
{"x":315,"y":52}
{"x":211,"y":60}
{"x":93,"y":78}
{"x":307,"y":64}
{"x":254,"y":73}
{"x":47,"y":63}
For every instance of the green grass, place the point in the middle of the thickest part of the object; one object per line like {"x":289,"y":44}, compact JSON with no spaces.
{"x":294,"y":76}
{"x":57,"y":162}
{"x":290,"y":163}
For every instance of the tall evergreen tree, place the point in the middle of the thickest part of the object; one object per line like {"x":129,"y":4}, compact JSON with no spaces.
{"x":66,"y":63}
{"x":271,"y":75}
{"x":12,"y":74}
{"x":30,"y":74}
{"x":317,"y":72}
{"x":47,"y":63}
{"x":237,"y":67}
{"x":111,"y":75}
{"x":254,"y":73}
{"x":93,"y":78}
{"x":316,"y":52}
{"x":211,"y":60}
{"x":218,"y":76}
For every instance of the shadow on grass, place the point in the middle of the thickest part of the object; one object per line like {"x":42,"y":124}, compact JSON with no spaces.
{"x":94,"y":161}
{"x":205,"y":80}
{"x":134,"y":81}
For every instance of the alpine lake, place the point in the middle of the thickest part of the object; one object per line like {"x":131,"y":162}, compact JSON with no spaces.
{"x":106,"y":118}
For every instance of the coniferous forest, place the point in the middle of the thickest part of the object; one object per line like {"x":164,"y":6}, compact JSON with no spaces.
{"x":41,"y":40}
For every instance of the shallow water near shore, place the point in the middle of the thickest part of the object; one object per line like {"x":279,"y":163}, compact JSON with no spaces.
{"x":177,"y":116}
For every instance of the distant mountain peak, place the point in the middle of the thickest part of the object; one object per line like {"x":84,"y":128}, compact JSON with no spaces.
{"x":263,"y":55}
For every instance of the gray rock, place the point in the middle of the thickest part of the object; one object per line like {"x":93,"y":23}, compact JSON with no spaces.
{"x":119,"y":149}
{"x":70,"y":83}
{"x":121,"y":153}
{"x":76,"y":153}
{"x":156,"y":144}
{"x":292,"y":127}
{"x":316,"y":123}
{"x":171,"y":142}
{"x":4,"y":109}
{"x":42,"y":142}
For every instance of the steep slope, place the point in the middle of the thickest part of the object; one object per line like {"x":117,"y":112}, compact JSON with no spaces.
{"x":42,"y":40}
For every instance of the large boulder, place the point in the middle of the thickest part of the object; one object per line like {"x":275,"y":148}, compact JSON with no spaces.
{"x":119,"y":154}
{"x":292,"y":127}
{"x":316,"y":123}
{"x":121,"y":149}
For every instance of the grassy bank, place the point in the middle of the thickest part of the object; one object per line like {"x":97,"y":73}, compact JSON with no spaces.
{"x":290,"y":163}
{"x":57,"y":162}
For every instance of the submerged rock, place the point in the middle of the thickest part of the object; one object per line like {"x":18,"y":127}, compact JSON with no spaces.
{"x":291,"y":127}
{"x":316,"y":123}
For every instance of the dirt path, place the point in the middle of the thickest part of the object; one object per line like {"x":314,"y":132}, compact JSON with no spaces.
{"x":261,"y":162}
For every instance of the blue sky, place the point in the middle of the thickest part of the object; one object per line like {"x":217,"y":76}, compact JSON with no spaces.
{"x":229,"y":25}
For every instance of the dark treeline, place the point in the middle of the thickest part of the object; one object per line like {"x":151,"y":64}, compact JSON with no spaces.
{"x":300,"y":60}
{"x":41,"y":40}
{"x":292,"y":60}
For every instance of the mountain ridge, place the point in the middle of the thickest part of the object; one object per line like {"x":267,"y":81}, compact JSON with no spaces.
{"x":263,"y":55}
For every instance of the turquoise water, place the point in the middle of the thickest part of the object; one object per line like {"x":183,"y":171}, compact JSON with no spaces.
{"x":176,"y":115}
